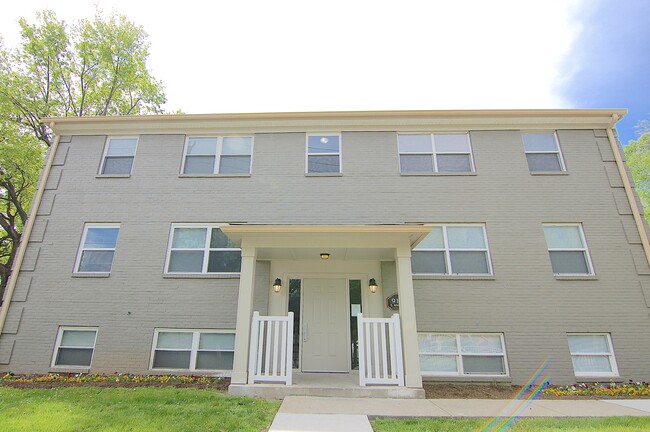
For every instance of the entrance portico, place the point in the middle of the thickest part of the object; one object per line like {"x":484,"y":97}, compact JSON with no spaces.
{"x":355,"y":254}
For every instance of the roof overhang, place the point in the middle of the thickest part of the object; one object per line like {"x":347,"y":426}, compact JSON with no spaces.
{"x":337,"y":121}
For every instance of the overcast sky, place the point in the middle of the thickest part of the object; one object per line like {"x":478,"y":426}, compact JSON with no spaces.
{"x":249,"y":56}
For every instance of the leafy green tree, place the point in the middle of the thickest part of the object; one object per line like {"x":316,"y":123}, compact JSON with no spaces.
{"x":91,"y":68}
{"x":637,"y":154}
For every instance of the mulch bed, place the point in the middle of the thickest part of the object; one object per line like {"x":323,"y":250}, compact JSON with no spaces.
{"x":221,"y":385}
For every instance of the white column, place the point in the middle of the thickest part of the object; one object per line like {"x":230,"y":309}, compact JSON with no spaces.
{"x":412,"y":375}
{"x":244,"y":315}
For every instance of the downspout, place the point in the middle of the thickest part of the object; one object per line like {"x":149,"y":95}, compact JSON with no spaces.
{"x":627,"y":184}
{"x":24,"y":240}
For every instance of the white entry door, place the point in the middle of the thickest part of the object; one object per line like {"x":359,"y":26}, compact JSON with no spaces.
{"x":325,"y":326}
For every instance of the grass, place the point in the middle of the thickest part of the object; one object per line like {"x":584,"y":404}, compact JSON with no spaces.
{"x":131,"y":409}
{"x":609,"y":424}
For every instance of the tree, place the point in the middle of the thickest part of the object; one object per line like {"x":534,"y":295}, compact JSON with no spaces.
{"x":94,"y":67}
{"x":637,"y":154}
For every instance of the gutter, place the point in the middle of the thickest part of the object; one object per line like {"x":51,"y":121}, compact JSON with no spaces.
{"x":24,"y":239}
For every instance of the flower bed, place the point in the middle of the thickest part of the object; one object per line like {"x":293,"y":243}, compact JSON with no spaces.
{"x":600,"y":390}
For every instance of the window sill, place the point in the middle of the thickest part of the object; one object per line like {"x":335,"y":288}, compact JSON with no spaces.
{"x":113,"y":176}
{"x":201,"y":275}
{"x":323,"y":174}
{"x":91,"y":275}
{"x":598,"y":377}
{"x":547,"y":173}
{"x":214,"y":175}
{"x":452,"y":277}
{"x":576,"y":277}
{"x":441,"y":174}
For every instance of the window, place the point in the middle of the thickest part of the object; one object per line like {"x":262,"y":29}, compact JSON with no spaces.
{"x":218,"y":155}
{"x":568,"y":249}
{"x":543,"y":152}
{"x":453,"y":250}
{"x":592,"y":355}
{"x":202,"y":249}
{"x":193,"y":350}
{"x":323,"y":154}
{"x":97,"y":248}
{"x":118,"y":156}
{"x":435,"y":153}
{"x":74,"y":347}
{"x":462,"y":354}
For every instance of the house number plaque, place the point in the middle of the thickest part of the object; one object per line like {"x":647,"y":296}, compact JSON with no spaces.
{"x":393,"y":302}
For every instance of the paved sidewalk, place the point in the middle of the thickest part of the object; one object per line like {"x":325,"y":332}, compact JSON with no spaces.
{"x":303,"y":413}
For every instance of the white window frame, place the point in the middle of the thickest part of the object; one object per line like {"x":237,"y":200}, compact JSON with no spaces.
{"x":206,"y":248}
{"x":339,"y":154}
{"x":459,"y":356}
{"x":584,"y":249}
{"x":194,"y":350}
{"x":434,"y":154}
{"x":448,"y":251}
{"x":611,"y":355}
{"x":57,"y":346}
{"x":105,"y":153}
{"x":218,"y":154}
{"x":557,"y":146}
{"x":81,"y":249}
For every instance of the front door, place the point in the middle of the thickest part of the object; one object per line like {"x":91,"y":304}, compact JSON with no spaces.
{"x":325,"y":326}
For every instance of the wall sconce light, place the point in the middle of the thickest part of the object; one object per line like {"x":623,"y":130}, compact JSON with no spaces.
{"x":324,"y":255}
{"x":277,"y":285}
{"x":372,"y":284}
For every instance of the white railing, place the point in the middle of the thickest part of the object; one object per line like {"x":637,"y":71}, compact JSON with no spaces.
{"x":380,"y":351}
{"x":271,"y":349}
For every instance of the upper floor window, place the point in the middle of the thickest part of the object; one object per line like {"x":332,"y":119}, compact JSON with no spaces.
{"x":543,"y":152}
{"x":568,"y":249}
{"x":202,"y":249}
{"x":218,"y":155}
{"x":592,"y":354}
{"x":453,"y":250}
{"x":435,"y":153}
{"x":97,"y":248}
{"x":323,"y":153}
{"x":74,"y":347}
{"x":118,"y":156}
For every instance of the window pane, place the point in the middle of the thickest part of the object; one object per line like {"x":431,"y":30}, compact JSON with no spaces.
{"x":454,"y":163}
{"x":199,"y":165}
{"x":118,"y":165}
{"x":217,"y":341}
{"x":189,"y":238}
{"x":171,"y":359}
{"x":428,"y":262}
{"x":186,"y":262}
{"x":433,"y":240}
{"x":563,"y":237}
{"x":436,"y":343}
{"x":175,"y":340}
{"x":237,"y":146}
{"x":74,"y":357}
{"x":323,"y":164}
{"x":415,"y":144}
{"x":540,"y":142}
{"x":323,"y":144}
{"x":588,"y":344}
{"x":565,"y":262}
{"x":469,"y":263}
{"x":416,"y":163}
{"x":436,"y":363}
{"x":543,"y":162}
{"x":101,"y":238}
{"x":465,"y":237}
{"x":220,"y":240}
{"x":214,"y":360}
{"x":202,"y":146}
{"x":78,"y":338}
{"x":235,"y":165}
{"x":121,"y":147}
{"x":96,"y":261}
{"x":452,"y":143}
{"x":484,"y":365}
{"x":591,"y":364}
{"x":483,"y":344}
{"x":221,"y":261}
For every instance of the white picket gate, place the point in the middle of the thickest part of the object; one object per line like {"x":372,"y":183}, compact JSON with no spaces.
{"x":380,"y":351}
{"x":271,"y":349}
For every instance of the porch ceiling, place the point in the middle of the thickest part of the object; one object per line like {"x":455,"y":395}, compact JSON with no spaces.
{"x":335,"y":253}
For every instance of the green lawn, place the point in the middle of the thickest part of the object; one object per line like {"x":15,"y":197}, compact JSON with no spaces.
{"x":131,"y":409}
{"x":609,"y":424}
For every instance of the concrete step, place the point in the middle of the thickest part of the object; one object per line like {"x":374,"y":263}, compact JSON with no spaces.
{"x":280,"y":391}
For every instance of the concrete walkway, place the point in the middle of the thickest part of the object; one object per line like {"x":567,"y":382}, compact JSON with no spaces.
{"x":320,"y":414}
